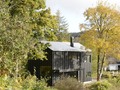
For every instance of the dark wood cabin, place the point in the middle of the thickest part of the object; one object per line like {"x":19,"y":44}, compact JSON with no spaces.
{"x":64,"y":58}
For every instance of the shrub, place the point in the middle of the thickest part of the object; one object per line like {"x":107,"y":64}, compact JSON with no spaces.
{"x":29,"y":83}
{"x":107,"y":75}
{"x":100,"y":85}
{"x":68,"y":83}
{"x":115,"y":83}
{"x":118,"y":78}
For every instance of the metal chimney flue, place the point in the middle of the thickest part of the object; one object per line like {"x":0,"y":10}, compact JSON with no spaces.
{"x":71,"y":42}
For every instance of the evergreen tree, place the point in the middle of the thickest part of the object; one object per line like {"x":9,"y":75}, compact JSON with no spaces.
{"x":62,"y":32}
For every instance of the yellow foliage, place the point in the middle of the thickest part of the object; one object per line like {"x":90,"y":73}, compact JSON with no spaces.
{"x":102,"y":29}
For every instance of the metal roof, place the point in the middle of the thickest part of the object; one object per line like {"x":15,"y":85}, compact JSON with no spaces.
{"x":65,"y":46}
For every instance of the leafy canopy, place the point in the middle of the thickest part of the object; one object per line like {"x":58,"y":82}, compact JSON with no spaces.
{"x":102,"y":28}
{"x":102,"y":33}
{"x":23,"y":24}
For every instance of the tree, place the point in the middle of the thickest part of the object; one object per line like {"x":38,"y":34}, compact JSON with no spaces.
{"x":102,"y":33}
{"x":62,"y":32}
{"x":22,"y":28}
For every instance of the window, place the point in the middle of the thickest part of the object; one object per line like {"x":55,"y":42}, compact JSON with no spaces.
{"x":45,"y":71}
{"x":88,"y":74}
{"x":74,"y":59}
{"x":58,"y":62}
{"x":87,"y":58}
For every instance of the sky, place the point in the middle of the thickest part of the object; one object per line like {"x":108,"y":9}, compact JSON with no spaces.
{"x":73,"y":10}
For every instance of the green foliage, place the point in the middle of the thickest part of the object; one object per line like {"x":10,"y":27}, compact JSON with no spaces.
{"x":68,"y":83}
{"x":62,"y":26}
{"x":112,"y":83}
{"x":115,"y":83}
{"x":23,"y":7}
{"x":14,"y":42}
{"x":22,"y":28}
{"x":107,"y":75}
{"x":28,"y":83}
{"x":100,"y":85}
{"x":94,"y":65}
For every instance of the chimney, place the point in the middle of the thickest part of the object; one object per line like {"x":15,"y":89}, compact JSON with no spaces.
{"x":71,"y":42}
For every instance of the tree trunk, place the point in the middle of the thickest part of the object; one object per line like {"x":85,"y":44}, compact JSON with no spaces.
{"x":98,"y":65}
{"x":102,"y":63}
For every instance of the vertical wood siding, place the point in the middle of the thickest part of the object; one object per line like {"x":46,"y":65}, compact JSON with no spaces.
{"x":66,"y":60}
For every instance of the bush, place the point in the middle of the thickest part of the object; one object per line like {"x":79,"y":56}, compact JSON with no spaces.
{"x":115,"y":83}
{"x":118,"y":79}
{"x":107,"y":75}
{"x":100,"y":85}
{"x":29,"y":83}
{"x":68,"y":83}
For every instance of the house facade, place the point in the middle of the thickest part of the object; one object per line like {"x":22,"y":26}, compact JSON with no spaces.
{"x":63,"y":59}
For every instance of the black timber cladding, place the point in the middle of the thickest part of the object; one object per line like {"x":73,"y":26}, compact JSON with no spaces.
{"x":67,"y":60}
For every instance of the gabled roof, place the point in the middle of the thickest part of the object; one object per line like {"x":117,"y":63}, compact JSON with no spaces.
{"x":65,"y":46}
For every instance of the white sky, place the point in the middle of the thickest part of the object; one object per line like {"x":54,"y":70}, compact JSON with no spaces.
{"x":73,"y":10}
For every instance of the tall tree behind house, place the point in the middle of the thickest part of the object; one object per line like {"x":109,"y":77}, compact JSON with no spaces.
{"x":62,"y":32}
